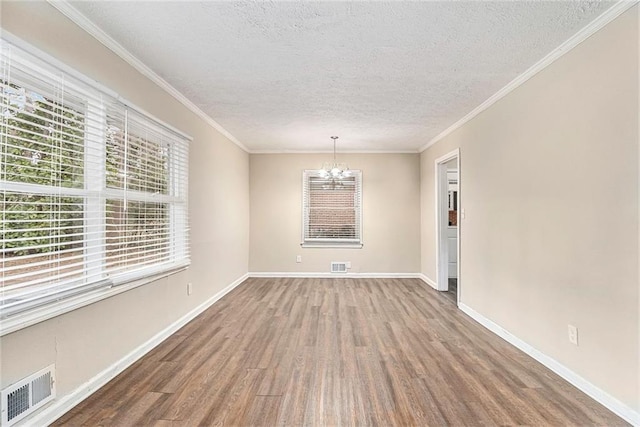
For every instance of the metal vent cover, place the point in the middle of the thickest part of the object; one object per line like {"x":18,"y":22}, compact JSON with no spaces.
{"x":27,"y":395}
{"x":338,"y":267}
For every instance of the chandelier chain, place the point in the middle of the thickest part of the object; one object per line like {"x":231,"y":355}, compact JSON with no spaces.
{"x":335,"y":171}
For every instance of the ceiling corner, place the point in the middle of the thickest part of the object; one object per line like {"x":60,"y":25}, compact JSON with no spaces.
{"x":64,"y":7}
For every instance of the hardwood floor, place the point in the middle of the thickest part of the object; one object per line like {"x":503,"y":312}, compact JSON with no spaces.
{"x":452,"y":291}
{"x":336,"y":352}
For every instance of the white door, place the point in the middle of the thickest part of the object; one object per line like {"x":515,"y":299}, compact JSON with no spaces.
{"x":452,"y":240}
{"x":452,"y":229}
{"x":447,"y":190}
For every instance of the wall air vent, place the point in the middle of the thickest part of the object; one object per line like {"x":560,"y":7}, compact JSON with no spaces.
{"x":338,"y":267}
{"x":27,"y":395}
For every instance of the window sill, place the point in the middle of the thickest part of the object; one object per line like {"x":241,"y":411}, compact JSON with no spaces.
{"x":333,"y":245}
{"x":40,"y":314}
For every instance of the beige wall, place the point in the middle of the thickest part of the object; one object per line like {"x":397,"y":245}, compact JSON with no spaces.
{"x":84,"y":342}
{"x":550,"y":189}
{"x":391,"y":214}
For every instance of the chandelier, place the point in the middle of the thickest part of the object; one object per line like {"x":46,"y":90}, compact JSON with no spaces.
{"x":335,"y":170}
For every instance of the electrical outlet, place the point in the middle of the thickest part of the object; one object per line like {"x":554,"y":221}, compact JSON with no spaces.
{"x":299,"y":258}
{"x":348,"y":263}
{"x":189,"y":288}
{"x":573,"y":335}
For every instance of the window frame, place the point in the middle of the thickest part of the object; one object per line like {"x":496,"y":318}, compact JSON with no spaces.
{"x":56,"y":298}
{"x":355,"y":243}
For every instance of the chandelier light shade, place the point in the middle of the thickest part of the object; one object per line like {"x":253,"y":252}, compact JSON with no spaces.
{"x":335,"y":170}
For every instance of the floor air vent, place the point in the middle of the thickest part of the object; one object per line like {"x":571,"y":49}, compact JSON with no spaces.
{"x":27,"y":395}
{"x":338,"y":267}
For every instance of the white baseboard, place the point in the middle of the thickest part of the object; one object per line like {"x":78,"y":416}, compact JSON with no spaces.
{"x":428,"y":281}
{"x":60,"y":406}
{"x":613,"y":404}
{"x":318,"y":275}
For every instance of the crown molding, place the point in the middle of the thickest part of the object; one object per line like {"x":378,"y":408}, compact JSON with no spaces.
{"x":64,"y":7}
{"x":612,"y":13}
{"x":83,"y":22}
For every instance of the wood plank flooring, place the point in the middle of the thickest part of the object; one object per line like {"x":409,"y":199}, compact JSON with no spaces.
{"x":336,"y":352}
{"x":452,"y":291}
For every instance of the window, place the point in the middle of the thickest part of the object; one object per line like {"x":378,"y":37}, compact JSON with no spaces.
{"x":332,"y":213}
{"x":93,"y":192}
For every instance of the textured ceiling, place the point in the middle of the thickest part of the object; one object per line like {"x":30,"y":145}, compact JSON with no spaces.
{"x":384,"y":76}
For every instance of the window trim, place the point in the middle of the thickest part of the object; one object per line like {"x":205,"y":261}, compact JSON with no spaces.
{"x":328,"y":242}
{"x":48,"y":311}
{"x":114,"y":284}
{"x":61,"y":66}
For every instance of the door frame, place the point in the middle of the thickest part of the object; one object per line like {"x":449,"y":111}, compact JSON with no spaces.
{"x":442,"y":220}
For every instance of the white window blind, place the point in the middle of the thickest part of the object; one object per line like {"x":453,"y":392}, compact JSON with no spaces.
{"x":92,"y":192}
{"x":332,"y":213}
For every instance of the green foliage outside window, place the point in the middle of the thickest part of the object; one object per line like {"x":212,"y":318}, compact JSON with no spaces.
{"x":144,"y":163}
{"x":42,"y":143}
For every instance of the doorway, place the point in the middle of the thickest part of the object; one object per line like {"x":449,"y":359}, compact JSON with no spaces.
{"x":448,"y":214}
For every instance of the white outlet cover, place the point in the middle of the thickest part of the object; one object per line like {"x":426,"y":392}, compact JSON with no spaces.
{"x":573,"y":334}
